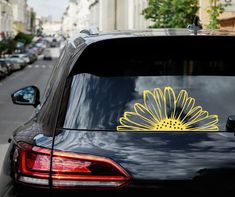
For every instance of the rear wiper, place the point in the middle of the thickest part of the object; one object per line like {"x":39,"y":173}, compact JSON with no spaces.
{"x":230,"y":126}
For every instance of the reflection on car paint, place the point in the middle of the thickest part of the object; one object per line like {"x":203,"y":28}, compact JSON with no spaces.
{"x":155,"y":155}
{"x":163,"y":111}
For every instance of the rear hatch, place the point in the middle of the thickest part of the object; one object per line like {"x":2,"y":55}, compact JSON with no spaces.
{"x":157,"y":106}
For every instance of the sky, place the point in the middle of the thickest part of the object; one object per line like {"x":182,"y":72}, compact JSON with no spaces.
{"x":55,"y":8}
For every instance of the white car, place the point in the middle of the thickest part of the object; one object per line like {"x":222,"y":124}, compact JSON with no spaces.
{"x":22,"y":56}
{"x":47,"y":54}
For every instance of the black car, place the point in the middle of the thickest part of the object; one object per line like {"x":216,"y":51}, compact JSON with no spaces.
{"x":130,"y":112}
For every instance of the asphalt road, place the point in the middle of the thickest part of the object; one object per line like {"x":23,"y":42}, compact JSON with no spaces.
{"x":12,"y":116}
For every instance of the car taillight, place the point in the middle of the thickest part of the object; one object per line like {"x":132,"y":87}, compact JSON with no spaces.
{"x":68,"y":170}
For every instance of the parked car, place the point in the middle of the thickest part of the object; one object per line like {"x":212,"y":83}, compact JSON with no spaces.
{"x":34,"y":50}
{"x":40,"y":47}
{"x":18,"y":62}
{"x":47,"y":54}
{"x":32,"y":57}
{"x":130,"y":113}
{"x":3,"y":69}
{"x":14,"y":64}
{"x":8,"y":66}
{"x":22,"y":56}
{"x":2,"y":73}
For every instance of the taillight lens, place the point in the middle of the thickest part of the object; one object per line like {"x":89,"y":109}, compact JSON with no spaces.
{"x":68,"y":170}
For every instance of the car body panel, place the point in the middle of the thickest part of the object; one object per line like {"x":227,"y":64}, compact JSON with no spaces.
{"x":156,"y":156}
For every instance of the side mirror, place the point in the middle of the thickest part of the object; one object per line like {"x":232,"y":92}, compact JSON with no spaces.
{"x":29,"y":95}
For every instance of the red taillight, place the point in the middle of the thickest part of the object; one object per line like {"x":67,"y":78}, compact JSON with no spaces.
{"x":68,"y":169}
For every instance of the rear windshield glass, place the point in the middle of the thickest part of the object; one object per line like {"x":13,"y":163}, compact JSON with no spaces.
{"x":99,"y":102}
{"x":153,"y":94}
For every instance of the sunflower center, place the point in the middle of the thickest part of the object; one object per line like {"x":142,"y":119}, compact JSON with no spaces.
{"x":170,"y":125}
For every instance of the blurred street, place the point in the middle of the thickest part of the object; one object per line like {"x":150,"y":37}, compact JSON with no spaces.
{"x":12,"y":116}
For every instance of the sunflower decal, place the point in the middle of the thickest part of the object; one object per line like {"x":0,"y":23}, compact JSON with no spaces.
{"x":165,"y":111}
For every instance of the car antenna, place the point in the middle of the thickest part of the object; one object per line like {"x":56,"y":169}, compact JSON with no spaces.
{"x":196,"y":26}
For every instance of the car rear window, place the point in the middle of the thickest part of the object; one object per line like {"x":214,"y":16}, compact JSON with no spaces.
{"x":138,"y":87}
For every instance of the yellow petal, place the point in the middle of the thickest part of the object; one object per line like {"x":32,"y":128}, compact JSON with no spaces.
{"x":205,"y":123}
{"x":151,"y":105}
{"x":180,"y":103}
{"x":160,"y":101}
{"x":145,"y":113}
{"x":170,"y":101}
{"x":193,"y":115}
{"x":133,"y":119}
{"x":187,"y":108}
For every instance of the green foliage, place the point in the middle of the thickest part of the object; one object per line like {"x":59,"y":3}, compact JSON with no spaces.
{"x":171,"y":13}
{"x":11,"y":45}
{"x":7,"y":45}
{"x":214,"y":11}
{"x":3,"y":46}
{"x":24,"y":38}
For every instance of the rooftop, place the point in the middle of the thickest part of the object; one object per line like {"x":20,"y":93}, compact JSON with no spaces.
{"x":90,"y":36}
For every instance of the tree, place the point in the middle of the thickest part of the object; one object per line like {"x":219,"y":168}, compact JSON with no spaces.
{"x":216,"y":8}
{"x":24,"y":38}
{"x":3,"y":47}
{"x":11,"y":45}
{"x":7,"y":46}
{"x":171,"y":13}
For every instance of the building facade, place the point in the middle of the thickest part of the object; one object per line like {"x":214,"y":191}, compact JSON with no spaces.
{"x":19,"y":15}
{"x":203,"y":12}
{"x":16,"y":16}
{"x":30,"y":20}
{"x":6,"y":19}
{"x":227,"y":19}
{"x":51,"y":28}
{"x":109,"y":15}
{"x":76,"y":17}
